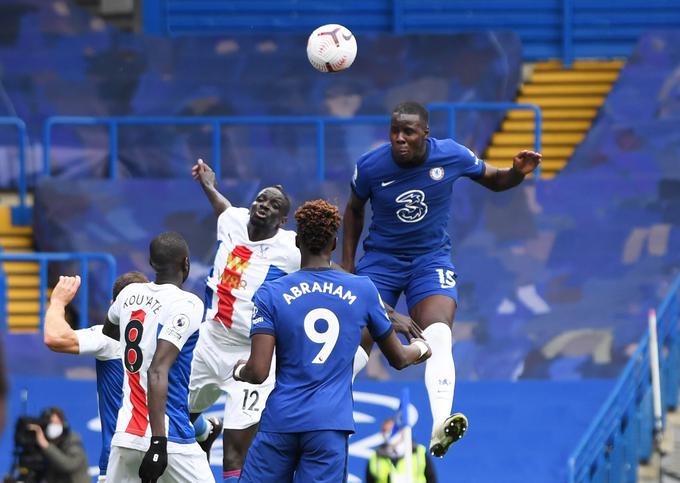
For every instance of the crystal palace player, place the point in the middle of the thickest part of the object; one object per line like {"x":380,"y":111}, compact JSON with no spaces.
{"x":159,"y":325}
{"x":252,"y":247}
{"x":409,"y":182}
{"x":314,"y":319}
{"x":60,"y":337}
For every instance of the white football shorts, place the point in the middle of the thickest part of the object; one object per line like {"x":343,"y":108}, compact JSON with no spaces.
{"x":190,"y":468}
{"x":211,"y":375}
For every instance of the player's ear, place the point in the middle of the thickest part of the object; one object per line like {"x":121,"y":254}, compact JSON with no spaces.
{"x":186,"y":267}
{"x":283,"y":221}
{"x":335,"y":243}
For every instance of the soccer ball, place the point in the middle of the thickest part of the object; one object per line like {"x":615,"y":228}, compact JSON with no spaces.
{"x":331,"y":48}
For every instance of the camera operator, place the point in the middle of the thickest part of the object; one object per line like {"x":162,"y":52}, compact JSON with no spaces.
{"x":65,"y":459}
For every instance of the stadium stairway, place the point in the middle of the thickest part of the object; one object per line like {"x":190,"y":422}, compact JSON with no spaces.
{"x":23,"y":300}
{"x":569,"y":100}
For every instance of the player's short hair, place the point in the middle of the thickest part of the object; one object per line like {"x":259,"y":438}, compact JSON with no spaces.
{"x":285,"y":209}
{"x":411,"y":107}
{"x":126,"y":279}
{"x":169,"y":249}
{"x":317,"y":224}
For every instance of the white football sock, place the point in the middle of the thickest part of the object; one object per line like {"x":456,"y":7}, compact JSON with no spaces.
{"x":360,"y":361}
{"x":440,"y":373}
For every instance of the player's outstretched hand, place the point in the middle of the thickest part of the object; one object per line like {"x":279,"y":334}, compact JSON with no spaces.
{"x":155,"y":460}
{"x":428,"y":352}
{"x":526,"y":161}
{"x":203,"y":173}
{"x":65,"y":290}
{"x":405,"y":325}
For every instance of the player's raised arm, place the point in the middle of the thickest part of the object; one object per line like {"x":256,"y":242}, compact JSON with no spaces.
{"x":58,"y":334}
{"x":497,"y":179}
{"x":352,"y":225}
{"x":204,"y":174}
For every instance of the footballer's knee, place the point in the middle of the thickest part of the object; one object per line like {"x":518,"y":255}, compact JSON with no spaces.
{"x":433,"y":310}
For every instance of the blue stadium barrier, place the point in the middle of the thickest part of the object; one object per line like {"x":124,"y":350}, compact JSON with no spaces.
{"x":217,"y":122}
{"x":559,"y":28}
{"x":47,"y":257}
{"x":622,"y":433}
{"x":21,"y":214}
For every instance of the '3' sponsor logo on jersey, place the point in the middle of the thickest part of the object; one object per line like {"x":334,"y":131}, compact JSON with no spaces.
{"x":414,"y":208}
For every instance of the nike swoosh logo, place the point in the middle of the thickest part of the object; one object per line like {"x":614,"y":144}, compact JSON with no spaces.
{"x":346,"y":37}
{"x":387,"y":183}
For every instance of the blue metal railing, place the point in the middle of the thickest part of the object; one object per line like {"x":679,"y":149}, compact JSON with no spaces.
{"x":23,"y":179}
{"x":567,"y":32}
{"x":43,"y":260}
{"x":216,"y":122}
{"x":621,"y":434}
{"x":320,"y":122}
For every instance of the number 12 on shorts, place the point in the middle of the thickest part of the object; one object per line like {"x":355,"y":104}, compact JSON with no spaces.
{"x":250,"y":399}
{"x":447,"y":279}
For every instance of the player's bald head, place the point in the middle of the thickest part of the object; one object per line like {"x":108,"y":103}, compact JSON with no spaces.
{"x":168,"y":251}
{"x":411,"y":112}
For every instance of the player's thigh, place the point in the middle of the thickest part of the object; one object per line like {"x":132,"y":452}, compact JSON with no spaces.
{"x":271,"y":458}
{"x":432,"y":290}
{"x":187,"y":468}
{"x":387,"y":273}
{"x":323,"y":457}
{"x":124,"y":465}
{"x":209,"y":373}
{"x":245,"y":402}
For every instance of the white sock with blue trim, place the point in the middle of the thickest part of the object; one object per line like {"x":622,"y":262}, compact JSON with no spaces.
{"x":440,"y":372}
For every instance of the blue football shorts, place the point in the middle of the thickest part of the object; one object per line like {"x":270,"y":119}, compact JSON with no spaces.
{"x":318,"y":456}
{"x":419,"y":277}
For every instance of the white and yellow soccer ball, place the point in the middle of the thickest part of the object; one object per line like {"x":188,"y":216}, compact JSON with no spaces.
{"x":331,"y":48}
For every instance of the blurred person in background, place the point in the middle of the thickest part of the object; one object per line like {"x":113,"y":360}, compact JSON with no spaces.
{"x":65,"y":458}
{"x":388,"y":465}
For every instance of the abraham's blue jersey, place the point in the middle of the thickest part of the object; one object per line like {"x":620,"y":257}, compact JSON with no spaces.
{"x":316,"y":317}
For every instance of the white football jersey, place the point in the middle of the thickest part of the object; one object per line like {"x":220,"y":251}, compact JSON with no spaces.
{"x":147,"y":312}
{"x":240,"y":267}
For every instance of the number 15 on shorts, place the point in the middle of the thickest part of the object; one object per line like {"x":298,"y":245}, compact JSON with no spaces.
{"x":447,"y":278}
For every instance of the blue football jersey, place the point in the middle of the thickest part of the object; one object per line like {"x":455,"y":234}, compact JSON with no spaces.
{"x":316,"y":317}
{"x":411,"y":206}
